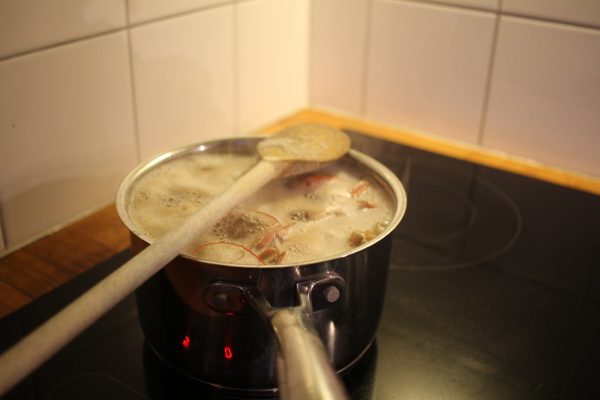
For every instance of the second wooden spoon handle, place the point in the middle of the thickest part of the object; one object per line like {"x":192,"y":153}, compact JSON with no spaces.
{"x":52,"y":335}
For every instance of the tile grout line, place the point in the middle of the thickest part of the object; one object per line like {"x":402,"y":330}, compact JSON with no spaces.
{"x":128,"y":25}
{"x":136,"y":130}
{"x":200,"y":9}
{"x":490,"y":72}
{"x":183,"y":13}
{"x":60,"y":44}
{"x":442,"y":4}
{"x":365,"y":64}
{"x":498,"y":9}
{"x":563,"y":24}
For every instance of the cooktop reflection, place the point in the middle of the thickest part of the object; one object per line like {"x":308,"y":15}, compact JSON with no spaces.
{"x":493,"y":293}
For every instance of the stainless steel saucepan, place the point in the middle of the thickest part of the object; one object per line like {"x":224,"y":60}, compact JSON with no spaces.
{"x":265,"y":329}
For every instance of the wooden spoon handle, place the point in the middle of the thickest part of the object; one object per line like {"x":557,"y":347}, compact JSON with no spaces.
{"x":28,"y":354}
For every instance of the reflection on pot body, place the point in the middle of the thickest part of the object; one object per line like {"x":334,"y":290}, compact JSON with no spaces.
{"x":205,"y":320}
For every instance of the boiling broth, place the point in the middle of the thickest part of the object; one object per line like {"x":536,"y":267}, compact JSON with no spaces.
{"x":292,"y":220}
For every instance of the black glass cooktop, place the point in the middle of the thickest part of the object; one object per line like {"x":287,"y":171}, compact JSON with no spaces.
{"x":493,"y":293}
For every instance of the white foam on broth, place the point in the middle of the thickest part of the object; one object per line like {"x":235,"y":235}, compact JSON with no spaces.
{"x":292,"y":220}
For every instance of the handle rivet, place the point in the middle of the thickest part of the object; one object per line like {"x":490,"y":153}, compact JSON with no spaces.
{"x":332,"y":294}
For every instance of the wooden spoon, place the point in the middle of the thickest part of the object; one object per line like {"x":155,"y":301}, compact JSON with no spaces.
{"x":294,"y":150}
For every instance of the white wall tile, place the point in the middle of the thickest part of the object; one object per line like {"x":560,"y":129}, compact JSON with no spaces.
{"x":478,"y":4}
{"x":338,"y":37}
{"x":66,"y":133}
{"x":428,"y":67}
{"x":184,"y":74}
{"x":545,"y":94}
{"x":586,"y":12}
{"x":29,"y":24}
{"x":272,"y":37}
{"x":144,"y":10}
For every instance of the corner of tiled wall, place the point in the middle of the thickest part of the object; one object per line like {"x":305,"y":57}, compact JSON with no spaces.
{"x":272,"y":65}
{"x":519,"y":76}
{"x":90,"y":88}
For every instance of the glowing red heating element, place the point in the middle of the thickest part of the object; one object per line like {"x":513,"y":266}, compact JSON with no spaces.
{"x":228,"y":352}
{"x":186,"y":342}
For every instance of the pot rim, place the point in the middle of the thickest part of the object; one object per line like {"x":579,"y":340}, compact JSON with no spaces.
{"x":394,"y":188}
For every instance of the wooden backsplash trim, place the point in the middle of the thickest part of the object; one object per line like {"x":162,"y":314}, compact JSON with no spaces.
{"x":447,"y":147}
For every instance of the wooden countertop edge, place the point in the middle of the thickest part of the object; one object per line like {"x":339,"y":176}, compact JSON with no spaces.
{"x":51,"y":261}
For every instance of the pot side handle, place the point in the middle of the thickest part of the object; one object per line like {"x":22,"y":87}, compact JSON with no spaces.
{"x":304,"y":371}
